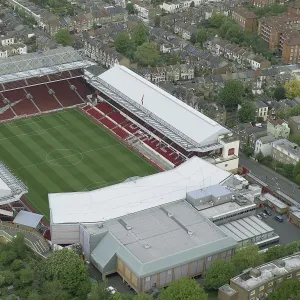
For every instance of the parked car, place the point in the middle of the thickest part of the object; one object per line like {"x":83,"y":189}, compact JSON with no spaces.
{"x":265,"y":216}
{"x":278,"y":218}
{"x":111,"y":290}
{"x":259,"y":217}
{"x":267,"y":212}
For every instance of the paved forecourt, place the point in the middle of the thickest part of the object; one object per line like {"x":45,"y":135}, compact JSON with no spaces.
{"x":65,"y":152}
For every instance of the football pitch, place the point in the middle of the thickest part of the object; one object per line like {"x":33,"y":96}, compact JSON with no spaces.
{"x":65,"y":152}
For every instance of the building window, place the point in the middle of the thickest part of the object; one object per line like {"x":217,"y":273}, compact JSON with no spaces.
{"x":289,"y":276}
{"x":261,"y":288}
{"x":270,"y":283}
{"x":148,"y":279}
{"x":252,"y":293}
{"x":231,"y":151}
{"x":169,"y":272}
{"x":279,"y":280}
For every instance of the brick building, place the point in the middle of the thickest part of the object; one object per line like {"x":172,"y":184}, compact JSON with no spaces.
{"x":245,"y":18}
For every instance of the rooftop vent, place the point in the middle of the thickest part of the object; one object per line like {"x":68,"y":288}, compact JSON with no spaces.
{"x":255,"y":273}
{"x":147,"y":246}
{"x":170,"y":215}
{"x":128,"y":227}
{"x":190,"y":232}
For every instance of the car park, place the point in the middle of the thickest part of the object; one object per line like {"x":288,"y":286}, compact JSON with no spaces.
{"x":265,"y":216}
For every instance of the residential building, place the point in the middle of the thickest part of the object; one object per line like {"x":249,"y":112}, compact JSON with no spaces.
{"x":264,"y":145}
{"x":285,"y":151}
{"x":282,"y":32}
{"x":185,"y":30}
{"x":261,"y":110}
{"x":142,"y":10}
{"x":259,"y":282}
{"x":279,"y":128}
{"x":214,"y":111}
{"x":261,"y":3}
{"x":236,"y":53}
{"x":245,"y":18}
{"x":178,"y":6}
{"x":294,"y":8}
{"x":168,"y":73}
{"x":249,"y":134}
{"x":294,"y":124}
{"x":104,"y":54}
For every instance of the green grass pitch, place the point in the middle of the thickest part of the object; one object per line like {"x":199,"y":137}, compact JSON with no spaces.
{"x":65,"y":152}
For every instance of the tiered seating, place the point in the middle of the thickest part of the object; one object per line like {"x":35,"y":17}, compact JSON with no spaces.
{"x":116,"y":116}
{"x":14,"y":84}
{"x":25,"y":107}
{"x":131,"y":127}
{"x":15,"y":95}
{"x":95,"y":113}
{"x":81,"y":88}
{"x":6,"y":115}
{"x":108,"y":123}
{"x":41,"y":97}
{"x":65,"y":95}
{"x":120,"y":132}
{"x":104,"y":107}
{"x":86,"y":107}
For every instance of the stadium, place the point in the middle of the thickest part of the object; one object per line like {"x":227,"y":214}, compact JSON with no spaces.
{"x":86,"y":149}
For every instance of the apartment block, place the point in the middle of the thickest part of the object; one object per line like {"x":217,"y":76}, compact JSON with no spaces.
{"x":282,"y":32}
{"x":259,"y":282}
{"x":245,"y":18}
{"x":285,"y":152}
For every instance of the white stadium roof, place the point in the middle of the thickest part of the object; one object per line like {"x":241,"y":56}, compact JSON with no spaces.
{"x":134,"y":196}
{"x":164,"y":112}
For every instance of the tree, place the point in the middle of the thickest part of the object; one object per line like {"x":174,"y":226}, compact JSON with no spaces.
{"x":193,"y":38}
{"x":118,"y":296}
{"x":147,"y":54}
{"x":68,"y":268}
{"x":287,"y":290}
{"x":157,"y":20}
{"x":140,"y":35}
{"x":231,"y":95}
{"x":123,"y":43}
{"x":247,"y":113}
{"x":274,"y":253}
{"x":63,"y":37}
{"x":247,"y":257}
{"x":219,"y":274}
{"x":201,"y":36}
{"x":130,"y":8}
{"x":54,"y":290}
{"x":184,"y":288}
{"x":292,"y":248}
{"x":34,"y":296}
{"x":248,"y":151}
{"x":99,"y":291}
{"x":217,"y":20}
{"x":292,"y":89}
{"x":142,"y":297}
{"x":17,"y":265}
{"x":279,"y":93}
{"x":296,"y":170}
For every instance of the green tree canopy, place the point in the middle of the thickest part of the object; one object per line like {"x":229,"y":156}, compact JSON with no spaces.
{"x":292,"y":89}
{"x":147,"y":54}
{"x":279,"y":93}
{"x":274,"y":253}
{"x":247,"y":112}
{"x":231,"y":95}
{"x":202,"y":36}
{"x":99,"y":291}
{"x":54,"y":290}
{"x":68,"y":268}
{"x":130,"y":8}
{"x":124,"y":44}
{"x":157,"y":20}
{"x":140,"y":35}
{"x":217,"y":20}
{"x":219,"y":274}
{"x":247,"y":257}
{"x":287,"y":290}
{"x":63,"y":37}
{"x":184,"y":288}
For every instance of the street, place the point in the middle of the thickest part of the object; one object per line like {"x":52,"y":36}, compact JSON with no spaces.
{"x":274,"y":180}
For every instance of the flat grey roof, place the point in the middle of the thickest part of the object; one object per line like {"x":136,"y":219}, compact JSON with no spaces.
{"x":28,"y":219}
{"x":162,"y":237}
{"x":214,"y":190}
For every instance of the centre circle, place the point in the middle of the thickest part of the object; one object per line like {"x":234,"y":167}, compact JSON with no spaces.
{"x":64,"y":157}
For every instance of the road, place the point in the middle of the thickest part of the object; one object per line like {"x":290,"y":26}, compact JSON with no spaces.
{"x":274,"y":180}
